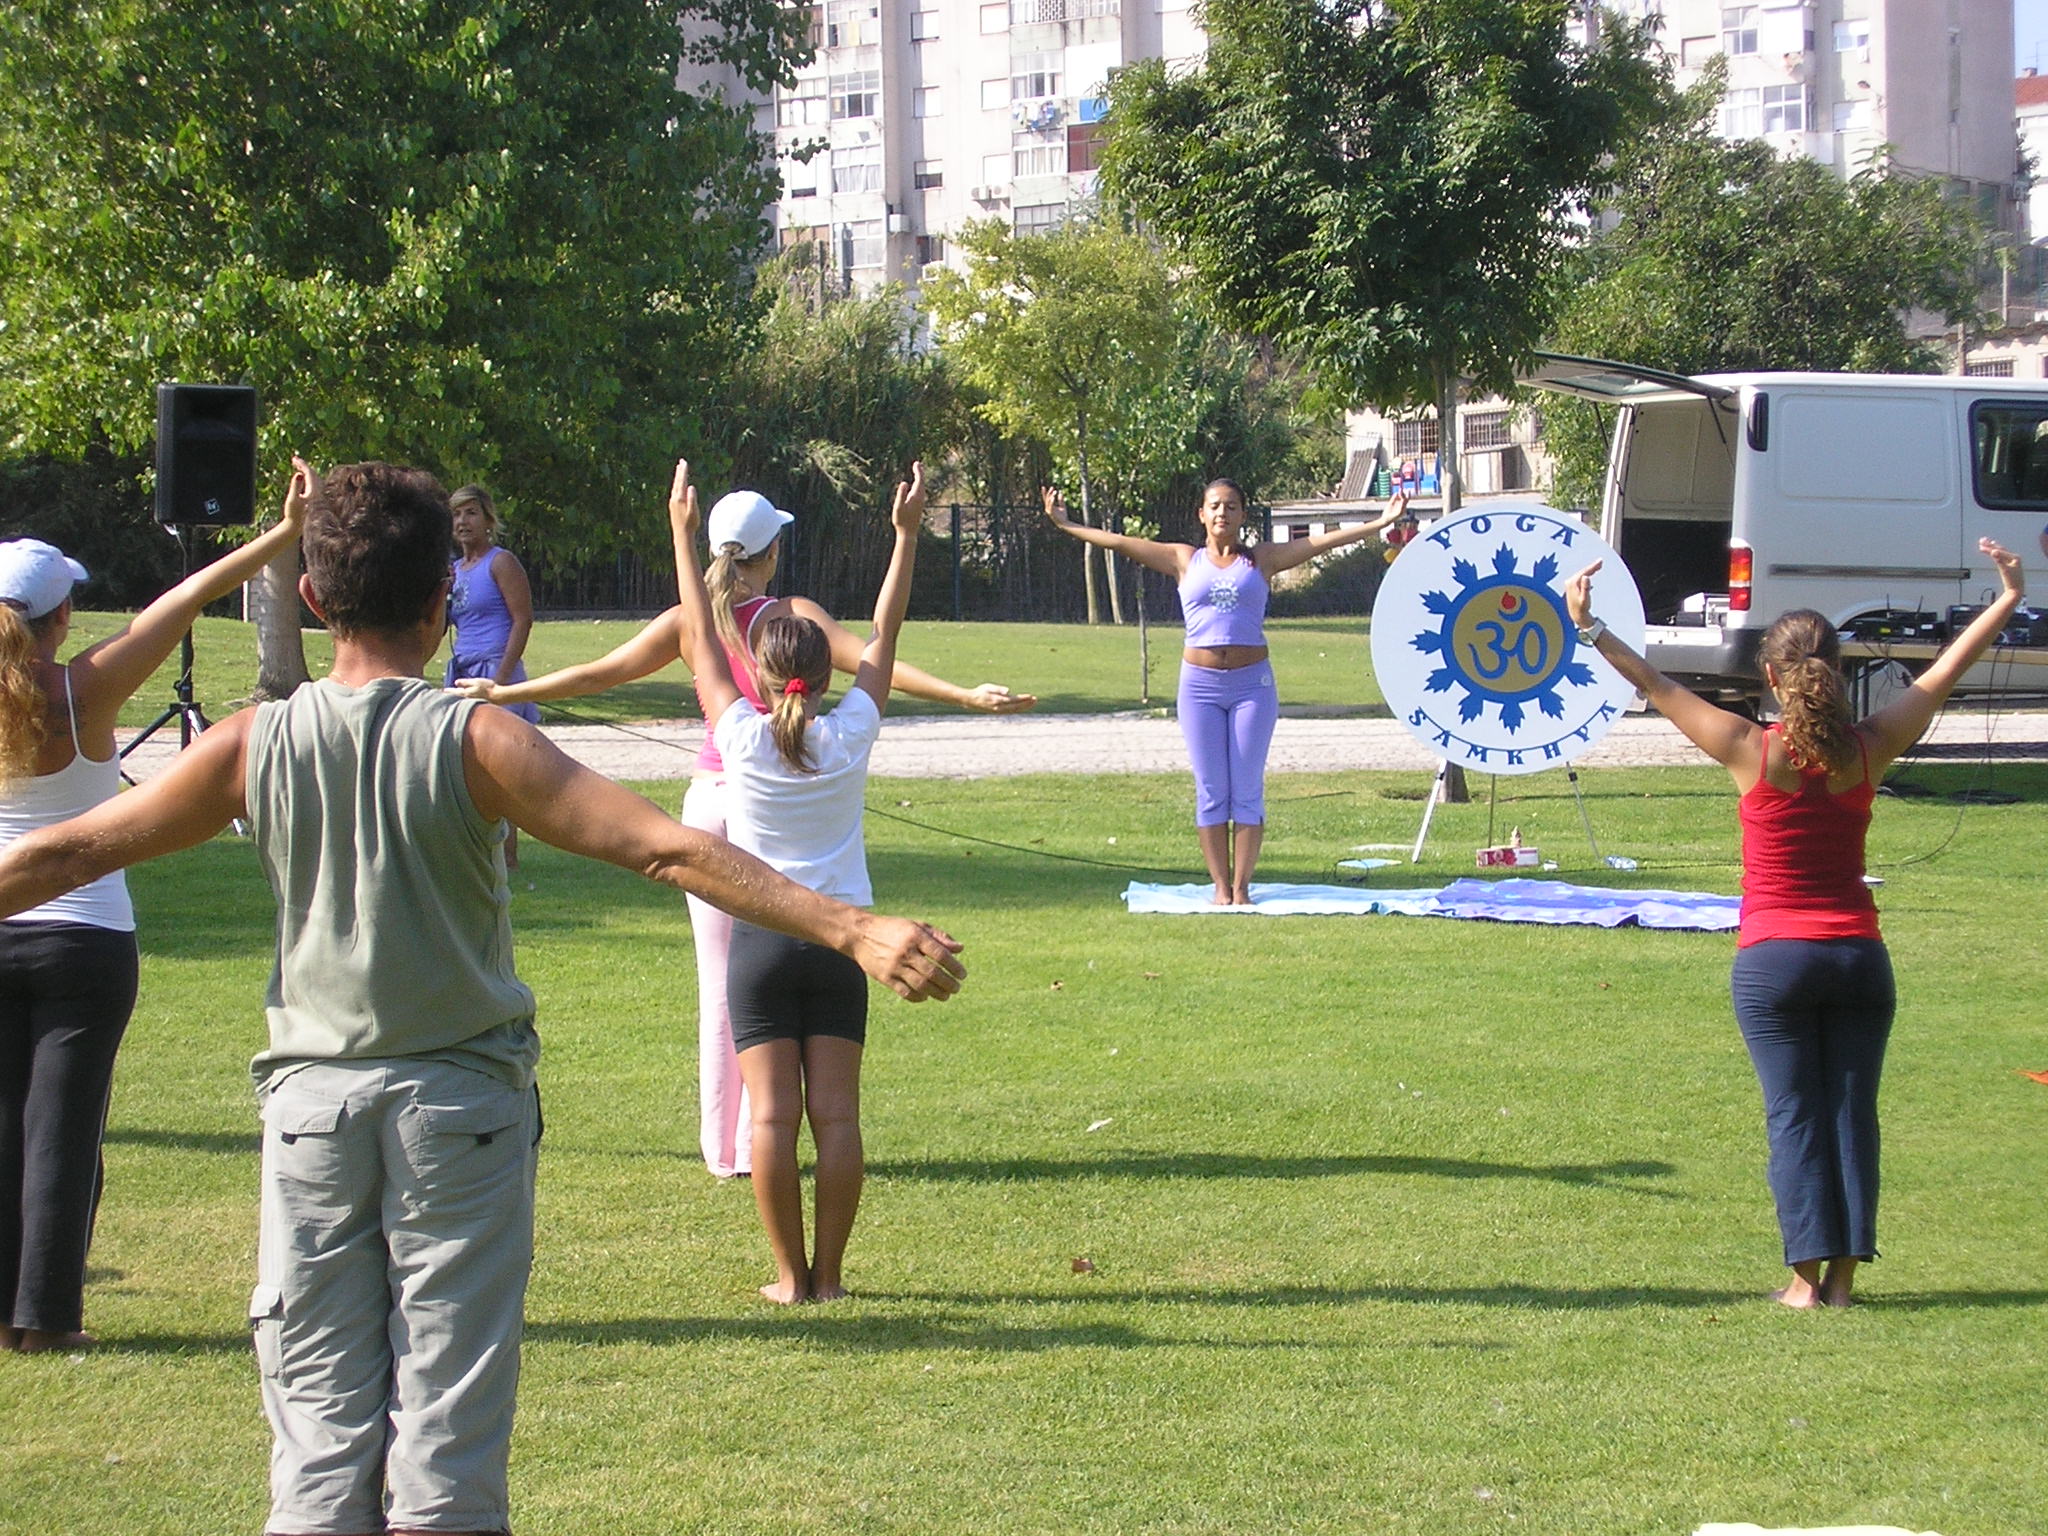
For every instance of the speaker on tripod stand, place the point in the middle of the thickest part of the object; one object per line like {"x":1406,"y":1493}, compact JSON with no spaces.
{"x":205,"y":478}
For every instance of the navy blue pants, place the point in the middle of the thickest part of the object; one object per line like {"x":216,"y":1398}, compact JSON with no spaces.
{"x":66,"y":990}
{"x":1815,"y":1014}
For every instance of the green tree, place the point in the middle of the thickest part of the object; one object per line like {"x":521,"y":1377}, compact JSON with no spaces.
{"x":1386,"y":190}
{"x":823,"y":414}
{"x":490,"y":237}
{"x":1727,"y":258}
{"x":1071,"y":336}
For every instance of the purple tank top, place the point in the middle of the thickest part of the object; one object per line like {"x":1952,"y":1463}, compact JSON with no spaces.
{"x":1223,"y":605}
{"x":477,"y":610}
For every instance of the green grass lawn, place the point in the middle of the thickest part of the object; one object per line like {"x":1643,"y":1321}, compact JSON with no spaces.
{"x":1397,"y":1225}
{"x":1322,"y":664}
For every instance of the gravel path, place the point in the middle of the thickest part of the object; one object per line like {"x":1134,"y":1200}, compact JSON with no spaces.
{"x":977,"y":746}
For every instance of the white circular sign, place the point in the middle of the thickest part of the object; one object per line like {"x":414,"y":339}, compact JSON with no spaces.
{"x":1475,"y":652}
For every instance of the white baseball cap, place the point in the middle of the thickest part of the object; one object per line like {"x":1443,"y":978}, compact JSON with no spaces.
{"x":35,"y":577}
{"x":745,"y":518}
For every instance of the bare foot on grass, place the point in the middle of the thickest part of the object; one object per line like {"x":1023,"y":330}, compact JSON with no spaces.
{"x":828,"y":1293}
{"x":785,"y":1293}
{"x":1836,"y":1285}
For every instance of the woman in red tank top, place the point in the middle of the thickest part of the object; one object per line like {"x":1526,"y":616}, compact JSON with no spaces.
{"x":1812,"y":982}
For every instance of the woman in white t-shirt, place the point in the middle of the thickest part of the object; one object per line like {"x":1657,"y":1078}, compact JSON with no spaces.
{"x":795,"y":779}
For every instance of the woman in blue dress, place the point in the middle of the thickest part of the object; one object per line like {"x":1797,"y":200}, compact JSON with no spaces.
{"x":490,"y":608}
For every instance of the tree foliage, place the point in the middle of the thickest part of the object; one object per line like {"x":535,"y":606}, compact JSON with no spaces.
{"x":490,"y":237}
{"x":1726,"y":258}
{"x":823,"y":414}
{"x":1387,"y":190}
{"x":1073,"y":340}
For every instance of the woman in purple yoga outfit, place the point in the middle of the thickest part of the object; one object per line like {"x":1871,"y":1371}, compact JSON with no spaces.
{"x":490,"y":608}
{"x":1226,"y":702}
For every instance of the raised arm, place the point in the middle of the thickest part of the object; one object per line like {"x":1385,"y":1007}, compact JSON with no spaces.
{"x":198,"y":794}
{"x":701,"y":647}
{"x":515,"y":772}
{"x":1274,"y":557}
{"x":105,"y":676}
{"x":878,"y":656}
{"x":847,"y":646}
{"x":1730,"y":740}
{"x":1167,"y":559}
{"x":653,"y":648}
{"x":1891,"y":730}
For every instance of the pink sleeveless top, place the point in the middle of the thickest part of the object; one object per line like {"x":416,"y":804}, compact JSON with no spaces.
{"x":742,"y":664}
{"x":1802,"y":860}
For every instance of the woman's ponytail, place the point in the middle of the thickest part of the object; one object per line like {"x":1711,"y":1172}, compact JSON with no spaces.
{"x":22,"y":704}
{"x":1805,"y":654}
{"x":728,"y":588}
{"x":793,"y":662}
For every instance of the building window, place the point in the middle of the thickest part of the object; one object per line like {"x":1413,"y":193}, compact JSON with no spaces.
{"x":925,"y":101}
{"x":802,"y":106}
{"x":799,"y":177}
{"x":1415,"y":437}
{"x":1851,"y":115}
{"x":1989,"y":368}
{"x":1024,"y":13}
{"x":930,"y":248}
{"x":853,"y":23}
{"x":1693,"y":52}
{"x":1738,"y":29}
{"x":1852,"y":35}
{"x":995,"y":17}
{"x":1742,"y":114}
{"x":995,"y":169}
{"x":1486,"y":429}
{"x":1784,"y":109}
{"x":1034,"y":74}
{"x":858,"y":244}
{"x":1038,"y":218}
{"x":924,"y":26}
{"x":858,"y":93}
{"x":858,"y":169}
{"x":1084,"y":146}
{"x":926,"y":174}
{"x":1033,"y":156}
{"x":994,"y":93}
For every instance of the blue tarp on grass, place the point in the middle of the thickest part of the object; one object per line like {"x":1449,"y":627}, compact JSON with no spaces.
{"x":1501,"y":901}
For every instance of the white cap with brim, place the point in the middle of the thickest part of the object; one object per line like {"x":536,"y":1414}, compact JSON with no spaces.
{"x":745,"y":518}
{"x":35,"y":577}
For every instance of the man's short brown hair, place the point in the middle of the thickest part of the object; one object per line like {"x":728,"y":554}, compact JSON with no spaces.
{"x":377,"y":546}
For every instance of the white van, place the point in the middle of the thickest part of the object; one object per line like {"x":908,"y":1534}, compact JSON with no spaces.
{"x":1735,"y":497}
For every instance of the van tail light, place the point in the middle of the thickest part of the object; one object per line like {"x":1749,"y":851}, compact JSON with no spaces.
{"x":1741,"y":563}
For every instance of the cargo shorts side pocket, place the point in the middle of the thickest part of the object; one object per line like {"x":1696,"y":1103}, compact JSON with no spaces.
{"x":306,"y":1158}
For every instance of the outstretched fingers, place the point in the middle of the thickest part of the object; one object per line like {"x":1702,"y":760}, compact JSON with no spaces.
{"x":682,"y":500}
{"x":1578,"y":595}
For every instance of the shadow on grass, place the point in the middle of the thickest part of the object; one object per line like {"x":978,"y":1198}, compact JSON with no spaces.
{"x":186,"y":1141}
{"x":1224,"y":1165}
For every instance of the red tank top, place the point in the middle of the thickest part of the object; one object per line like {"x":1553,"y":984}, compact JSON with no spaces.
{"x":742,"y":664}
{"x":1802,"y":860}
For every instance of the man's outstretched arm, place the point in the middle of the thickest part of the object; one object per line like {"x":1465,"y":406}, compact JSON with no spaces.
{"x":517,"y":773}
{"x":198,"y":794}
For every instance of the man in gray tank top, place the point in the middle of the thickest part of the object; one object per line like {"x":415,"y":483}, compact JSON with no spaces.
{"x":397,"y":1090}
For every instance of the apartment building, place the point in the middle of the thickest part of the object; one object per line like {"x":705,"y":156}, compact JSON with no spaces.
{"x":1831,"y":80}
{"x":915,"y":116}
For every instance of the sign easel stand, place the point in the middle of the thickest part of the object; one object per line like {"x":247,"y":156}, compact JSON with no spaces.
{"x":1436,"y":794}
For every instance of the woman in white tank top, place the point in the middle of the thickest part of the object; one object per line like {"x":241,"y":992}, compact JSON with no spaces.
{"x":67,"y":969}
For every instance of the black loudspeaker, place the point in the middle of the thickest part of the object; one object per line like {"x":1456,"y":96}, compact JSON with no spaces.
{"x":205,"y":454}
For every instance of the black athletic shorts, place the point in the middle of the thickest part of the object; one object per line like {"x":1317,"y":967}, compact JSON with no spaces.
{"x":780,"y":988}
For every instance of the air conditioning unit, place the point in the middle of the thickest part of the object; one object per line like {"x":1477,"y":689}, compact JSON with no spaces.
{"x":989,"y":194}
{"x":899,"y":224}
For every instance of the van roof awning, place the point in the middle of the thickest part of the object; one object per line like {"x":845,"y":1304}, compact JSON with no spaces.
{"x":1609,"y":383}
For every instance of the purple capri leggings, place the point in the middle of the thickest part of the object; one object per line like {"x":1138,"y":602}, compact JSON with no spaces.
{"x":1227,"y":720}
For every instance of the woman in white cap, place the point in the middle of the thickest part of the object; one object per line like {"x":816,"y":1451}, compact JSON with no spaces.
{"x":745,"y":530}
{"x":68,"y":968}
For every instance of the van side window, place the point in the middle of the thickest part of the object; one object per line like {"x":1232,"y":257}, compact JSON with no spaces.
{"x":2011,"y":454}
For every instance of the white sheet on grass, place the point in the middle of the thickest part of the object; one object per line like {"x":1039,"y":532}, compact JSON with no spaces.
{"x":1505,"y":901}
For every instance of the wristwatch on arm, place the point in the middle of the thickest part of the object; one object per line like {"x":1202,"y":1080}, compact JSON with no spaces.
{"x":1591,"y":631}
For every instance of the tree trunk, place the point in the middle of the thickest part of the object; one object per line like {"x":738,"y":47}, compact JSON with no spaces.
{"x":1447,"y":442}
{"x":274,"y":608}
{"x":1116,"y":604}
{"x":1144,"y":637}
{"x":1456,"y":791}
